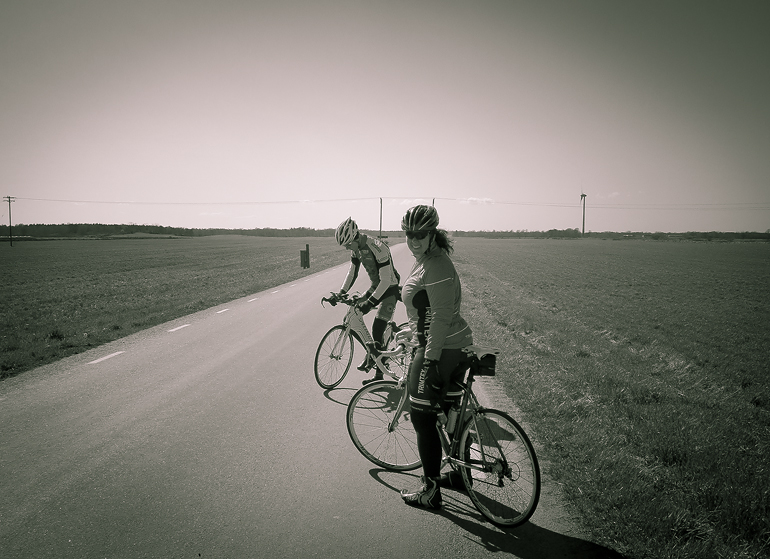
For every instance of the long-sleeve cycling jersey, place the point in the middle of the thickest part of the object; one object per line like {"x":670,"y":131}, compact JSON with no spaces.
{"x":378,"y":263}
{"x":432,"y":296}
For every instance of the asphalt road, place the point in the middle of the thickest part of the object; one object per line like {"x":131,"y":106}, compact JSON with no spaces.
{"x":208,"y":437}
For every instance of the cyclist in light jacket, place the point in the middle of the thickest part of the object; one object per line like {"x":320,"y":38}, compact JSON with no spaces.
{"x":432,"y":297}
{"x":384,"y":291}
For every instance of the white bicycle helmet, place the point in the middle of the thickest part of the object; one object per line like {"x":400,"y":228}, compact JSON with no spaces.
{"x":420,"y":218}
{"x":346,"y":232}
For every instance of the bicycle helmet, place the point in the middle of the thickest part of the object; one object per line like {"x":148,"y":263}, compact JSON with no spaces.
{"x":420,"y":218}
{"x":346,"y":232}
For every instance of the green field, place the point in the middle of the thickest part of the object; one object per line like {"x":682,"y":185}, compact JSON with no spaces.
{"x":643,"y":370}
{"x":64,"y":297}
{"x":640,"y":367}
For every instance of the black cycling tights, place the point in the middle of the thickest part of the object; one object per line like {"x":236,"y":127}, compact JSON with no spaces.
{"x":428,"y":442}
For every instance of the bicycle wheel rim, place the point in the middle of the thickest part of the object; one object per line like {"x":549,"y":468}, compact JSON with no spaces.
{"x":370,"y":412}
{"x":333,"y":357}
{"x":508,"y":490}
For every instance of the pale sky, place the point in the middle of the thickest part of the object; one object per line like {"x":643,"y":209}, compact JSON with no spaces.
{"x":242,"y":114}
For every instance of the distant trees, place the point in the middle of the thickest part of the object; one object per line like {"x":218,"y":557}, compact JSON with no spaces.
{"x":522,"y":234}
{"x":103,"y":231}
{"x":98,"y":230}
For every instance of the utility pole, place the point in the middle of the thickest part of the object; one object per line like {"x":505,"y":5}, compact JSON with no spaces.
{"x":583,"y":199}
{"x":10,"y":221}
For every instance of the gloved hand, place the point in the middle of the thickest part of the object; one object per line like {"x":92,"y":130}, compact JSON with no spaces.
{"x":404,"y":337}
{"x":365,"y":306}
{"x":432,"y":376}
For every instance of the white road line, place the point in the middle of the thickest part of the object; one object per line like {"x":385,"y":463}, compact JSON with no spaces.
{"x":252,"y":300}
{"x":105,"y":357}
{"x":276,"y":291}
{"x":223,"y":310}
{"x":179,"y":327}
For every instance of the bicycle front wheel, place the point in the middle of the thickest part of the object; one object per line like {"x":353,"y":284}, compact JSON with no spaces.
{"x":333,"y":357}
{"x":380,"y":426}
{"x":506,"y":488}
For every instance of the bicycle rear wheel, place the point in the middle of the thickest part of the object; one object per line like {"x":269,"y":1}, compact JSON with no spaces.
{"x":333,"y":357}
{"x":507,"y":490}
{"x":380,"y":426}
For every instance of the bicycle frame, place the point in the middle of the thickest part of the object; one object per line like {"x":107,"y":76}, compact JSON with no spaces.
{"x":354,"y":321}
{"x":449,"y":443}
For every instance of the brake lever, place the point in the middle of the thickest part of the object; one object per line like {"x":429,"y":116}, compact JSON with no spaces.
{"x":331,"y":302}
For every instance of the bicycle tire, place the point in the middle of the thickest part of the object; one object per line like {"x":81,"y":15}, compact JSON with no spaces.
{"x":370,"y":412}
{"x":333,"y":357}
{"x":508,"y":490}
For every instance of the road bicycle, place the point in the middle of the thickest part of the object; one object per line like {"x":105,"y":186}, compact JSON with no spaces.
{"x":335,"y":352}
{"x":493,"y":454}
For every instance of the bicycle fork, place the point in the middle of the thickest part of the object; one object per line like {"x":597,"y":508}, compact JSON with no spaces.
{"x":336,"y":352}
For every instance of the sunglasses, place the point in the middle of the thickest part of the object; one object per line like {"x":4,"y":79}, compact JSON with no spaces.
{"x":418,"y":235}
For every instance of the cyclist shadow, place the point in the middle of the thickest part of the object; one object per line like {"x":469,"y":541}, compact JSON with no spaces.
{"x":527,"y":541}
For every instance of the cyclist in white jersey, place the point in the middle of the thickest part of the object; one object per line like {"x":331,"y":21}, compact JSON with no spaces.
{"x":384,"y":291}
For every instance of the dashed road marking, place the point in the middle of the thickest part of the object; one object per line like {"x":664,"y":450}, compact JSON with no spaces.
{"x":105,"y":358}
{"x":179,"y":327}
{"x":223,"y":310}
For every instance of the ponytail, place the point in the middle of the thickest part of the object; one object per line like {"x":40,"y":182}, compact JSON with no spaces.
{"x":443,"y":241}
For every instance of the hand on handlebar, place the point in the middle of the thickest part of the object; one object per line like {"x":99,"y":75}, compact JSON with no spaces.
{"x":364,"y":305}
{"x":405,"y":337}
{"x":332,"y":299}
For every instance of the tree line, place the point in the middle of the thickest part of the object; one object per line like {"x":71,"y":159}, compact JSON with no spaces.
{"x":105,"y":231}
{"x":98,"y":230}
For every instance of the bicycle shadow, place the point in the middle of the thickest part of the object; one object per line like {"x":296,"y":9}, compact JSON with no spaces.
{"x":343,"y":395}
{"x":527,"y":541}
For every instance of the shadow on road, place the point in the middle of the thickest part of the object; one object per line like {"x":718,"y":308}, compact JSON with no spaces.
{"x":341,"y":396}
{"x":527,"y":541}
